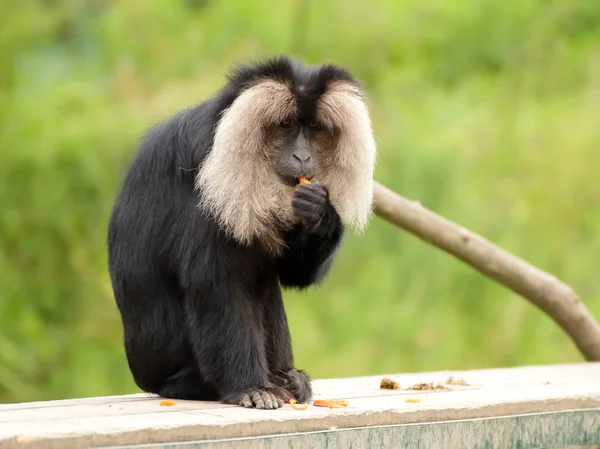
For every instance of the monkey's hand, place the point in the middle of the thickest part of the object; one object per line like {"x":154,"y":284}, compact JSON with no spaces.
{"x":310,"y":246}
{"x":311,"y":204}
{"x":294,"y":382}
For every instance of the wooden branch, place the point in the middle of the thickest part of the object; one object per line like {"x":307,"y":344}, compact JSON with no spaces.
{"x":545,"y":291}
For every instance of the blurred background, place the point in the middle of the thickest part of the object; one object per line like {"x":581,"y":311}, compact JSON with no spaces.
{"x":487,"y":112}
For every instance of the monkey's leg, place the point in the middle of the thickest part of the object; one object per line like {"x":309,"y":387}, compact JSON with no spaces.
{"x":187,"y":384}
{"x":228,"y":343}
{"x":294,"y":383}
{"x":158,"y":351}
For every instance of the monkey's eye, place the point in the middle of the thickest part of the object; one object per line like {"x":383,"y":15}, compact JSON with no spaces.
{"x":287,"y":123}
{"x":313,"y":124}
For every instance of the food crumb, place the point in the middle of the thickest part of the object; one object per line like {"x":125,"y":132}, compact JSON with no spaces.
{"x":331,"y":403}
{"x":167,"y":402}
{"x":389,"y":384}
{"x":427,"y":386}
{"x":452,"y":381}
{"x":412,"y":400}
{"x":297,"y":406}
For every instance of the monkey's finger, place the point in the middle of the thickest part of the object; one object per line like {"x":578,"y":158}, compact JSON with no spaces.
{"x":303,"y":205}
{"x":279,"y":402}
{"x":319,"y":202}
{"x":246,"y":402}
{"x":310,"y":187}
{"x":306,"y":205}
{"x":258,"y":400}
{"x":320,"y":197}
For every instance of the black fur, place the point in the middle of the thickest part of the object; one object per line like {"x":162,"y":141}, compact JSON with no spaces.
{"x":203,"y":316}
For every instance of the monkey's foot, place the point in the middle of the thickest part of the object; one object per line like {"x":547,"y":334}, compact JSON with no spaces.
{"x":296,"y":382}
{"x":255,"y":398}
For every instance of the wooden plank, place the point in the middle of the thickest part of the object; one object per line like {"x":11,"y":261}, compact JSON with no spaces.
{"x":572,"y":390}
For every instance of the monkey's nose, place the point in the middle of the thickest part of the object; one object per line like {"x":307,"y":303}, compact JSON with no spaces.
{"x":302,"y":157}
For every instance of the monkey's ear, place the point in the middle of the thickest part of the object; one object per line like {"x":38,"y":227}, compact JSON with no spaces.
{"x":350,"y":178}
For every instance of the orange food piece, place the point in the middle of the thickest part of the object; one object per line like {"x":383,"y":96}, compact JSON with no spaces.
{"x":303,"y":180}
{"x":167,"y":402}
{"x":293,"y":403}
{"x":331,"y":403}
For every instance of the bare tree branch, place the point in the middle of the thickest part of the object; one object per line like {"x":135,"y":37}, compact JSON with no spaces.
{"x":545,"y":291}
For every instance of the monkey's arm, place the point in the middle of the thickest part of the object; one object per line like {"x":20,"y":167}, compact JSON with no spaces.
{"x":311,"y":245}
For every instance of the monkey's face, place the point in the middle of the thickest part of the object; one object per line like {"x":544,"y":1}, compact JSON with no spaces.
{"x":294,"y":122}
{"x":301,"y":146}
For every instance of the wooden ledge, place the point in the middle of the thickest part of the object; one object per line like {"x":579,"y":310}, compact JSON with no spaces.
{"x":552,"y":405}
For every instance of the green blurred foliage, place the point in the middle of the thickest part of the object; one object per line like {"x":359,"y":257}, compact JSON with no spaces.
{"x":486,"y":112}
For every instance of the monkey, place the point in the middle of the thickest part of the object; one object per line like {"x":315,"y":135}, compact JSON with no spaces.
{"x":210,"y":224}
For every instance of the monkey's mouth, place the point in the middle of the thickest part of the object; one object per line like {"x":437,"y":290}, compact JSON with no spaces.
{"x":291,"y":181}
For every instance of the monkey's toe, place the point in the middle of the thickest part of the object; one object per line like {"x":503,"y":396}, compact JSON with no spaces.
{"x":246,"y":401}
{"x":260,"y":399}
